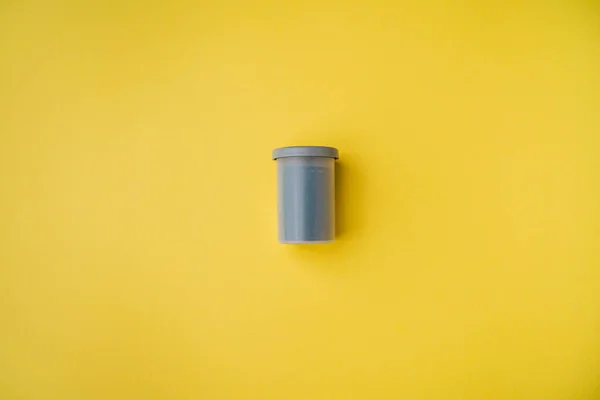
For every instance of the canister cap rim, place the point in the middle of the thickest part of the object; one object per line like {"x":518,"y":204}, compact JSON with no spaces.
{"x":305,"y":151}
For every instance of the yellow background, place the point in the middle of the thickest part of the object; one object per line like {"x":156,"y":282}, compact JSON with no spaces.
{"x":138,"y":252}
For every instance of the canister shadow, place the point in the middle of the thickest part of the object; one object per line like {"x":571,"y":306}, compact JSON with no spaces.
{"x":350,"y":190}
{"x":341,"y":193}
{"x":351,"y":187}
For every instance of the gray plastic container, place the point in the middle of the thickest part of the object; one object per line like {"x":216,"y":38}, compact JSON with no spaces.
{"x":306,"y":194}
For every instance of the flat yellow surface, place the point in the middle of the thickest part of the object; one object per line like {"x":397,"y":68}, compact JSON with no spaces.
{"x":138,"y":246}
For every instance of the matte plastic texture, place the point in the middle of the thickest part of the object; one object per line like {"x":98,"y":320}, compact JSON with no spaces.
{"x":306,"y":199}
{"x":305,"y":151}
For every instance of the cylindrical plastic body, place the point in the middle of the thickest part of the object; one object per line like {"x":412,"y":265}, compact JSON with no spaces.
{"x":306,"y":194}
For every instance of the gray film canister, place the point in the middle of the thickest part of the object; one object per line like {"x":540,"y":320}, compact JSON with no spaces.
{"x":306,"y":193}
